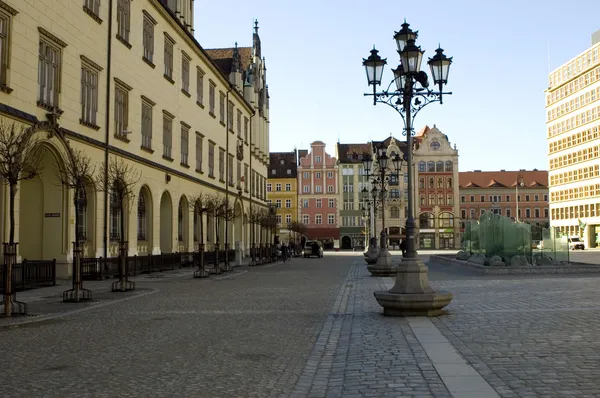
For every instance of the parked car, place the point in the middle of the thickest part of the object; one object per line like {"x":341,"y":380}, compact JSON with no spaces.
{"x":576,"y":243}
{"x":313,"y":248}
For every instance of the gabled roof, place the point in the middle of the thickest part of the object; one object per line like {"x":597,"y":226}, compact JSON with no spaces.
{"x":503,"y":178}
{"x":223,"y":58}
{"x":302,"y":154}
{"x":280,"y":163}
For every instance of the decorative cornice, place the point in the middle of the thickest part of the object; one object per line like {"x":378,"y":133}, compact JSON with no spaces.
{"x":148,"y":100}
{"x":169,"y":114}
{"x":150,"y":18}
{"x":123,"y":84}
{"x":52,"y":37}
{"x":186,"y":125}
{"x":8,"y":8}
{"x":91,"y":63}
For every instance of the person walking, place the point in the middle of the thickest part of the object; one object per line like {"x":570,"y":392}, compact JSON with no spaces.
{"x":403,"y":247}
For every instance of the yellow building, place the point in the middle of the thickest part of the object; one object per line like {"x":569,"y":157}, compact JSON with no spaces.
{"x":140,"y":88}
{"x":282,"y":191}
{"x":573,"y":133}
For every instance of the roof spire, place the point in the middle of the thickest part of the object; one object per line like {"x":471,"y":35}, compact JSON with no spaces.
{"x":256,"y":26}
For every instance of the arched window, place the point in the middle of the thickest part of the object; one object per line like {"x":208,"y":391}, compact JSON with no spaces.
{"x":426,"y":220}
{"x":115,"y":217}
{"x":180,"y":222}
{"x":422,"y":166}
{"x":449,"y":165}
{"x":439,"y":166}
{"x":395,"y":212}
{"x":446,"y":220}
{"x":142,"y":217}
{"x":430,"y":166}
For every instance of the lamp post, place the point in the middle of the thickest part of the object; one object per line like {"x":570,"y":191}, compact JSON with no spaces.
{"x":411,"y":294}
{"x":379,"y":181}
{"x":519,"y":183}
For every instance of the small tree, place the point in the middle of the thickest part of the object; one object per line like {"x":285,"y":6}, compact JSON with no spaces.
{"x":200,"y":205}
{"x":19,"y":161}
{"x":254,"y":219}
{"x":77,"y":172}
{"x":120,"y":182}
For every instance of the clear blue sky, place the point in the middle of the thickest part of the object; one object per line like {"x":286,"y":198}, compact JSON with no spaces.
{"x":503,"y":51}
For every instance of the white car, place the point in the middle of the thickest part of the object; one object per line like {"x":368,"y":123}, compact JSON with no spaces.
{"x":308,"y":249}
{"x":576,"y":243}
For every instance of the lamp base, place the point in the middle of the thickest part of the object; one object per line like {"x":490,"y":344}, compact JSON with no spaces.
{"x":411,"y":295}
{"x":383,"y":266}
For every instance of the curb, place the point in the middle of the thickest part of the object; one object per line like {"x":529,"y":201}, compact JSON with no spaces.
{"x":76,"y":311}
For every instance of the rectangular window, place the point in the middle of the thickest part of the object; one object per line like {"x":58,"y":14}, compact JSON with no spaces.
{"x":288,"y":218}
{"x":199,"y":86}
{"x":147,"y":107}
{"x":288,"y":203}
{"x":305,"y":203}
{"x":123,"y":20}
{"x":269,"y":187}
{"x":49,"y":71}
{"x":121,"y":110}
{"x":305,"y":175}
{"x":306,"y":219}
{"x":89,"y":95}
{"x":318,"y":219}
{"x":168,"y":58}
{"x":148,"y":39}
{"x":245,"y":178}
{"x":278,"y":203}
{"x":211,"y":159}
{"x":211,"y":98}
{"x":221,"y":164}
{"x":5,"y":36}
{"x":222,"y":108}
{"x":230,"y":116}
{"x":331,"y":219}
{"x":246,"y":129}
{"x":306,"y":188}
{"x":331,"y":202}
{"x":92,"y":7}
{"x":230,"y":169}
{"x":167,"y":135}
{"x":330,"y":174}
{"x":185,"y":74}
{"x":239,"y":124}
{"x":239,"y":175}
{"x":278,"y":187}
{"x":185,"y":133}
{"x":199,"y":144}
{"x":288,"y":187}
{"x":319,"y":203}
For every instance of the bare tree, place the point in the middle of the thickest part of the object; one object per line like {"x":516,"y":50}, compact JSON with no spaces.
{"x":224,"y":210}
{"x":77,"y":173}
{"x":120,"y":181}
{"x":254,"y":219}
{"x":19,"y":160}
{"x":200,"y":204}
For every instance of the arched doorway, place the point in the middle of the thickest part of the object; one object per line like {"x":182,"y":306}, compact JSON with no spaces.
{"x":346,"y":242}
{"x":239,"y":225}
{"x":42,"y":215}
{"x":166,"y":223}
{"x":144,"y":222}
{"x":183,"y":224}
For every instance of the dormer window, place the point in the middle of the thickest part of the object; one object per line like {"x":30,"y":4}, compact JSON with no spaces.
{"x":349,"y":156}
{"x":282,"y":162}
{"x":360,"y":157}
{"x":289,"y":172}
{"x":273,"y":172}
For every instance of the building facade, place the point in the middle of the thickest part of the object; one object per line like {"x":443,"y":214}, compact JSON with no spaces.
{"x":282,"y":191}
{"x":437,"y":172}
{"x":521,"y":195}
{"x":318,"y":194}
{"x":143,"y":91}
{"x":352,"y":179}
{"x":573,"y":134}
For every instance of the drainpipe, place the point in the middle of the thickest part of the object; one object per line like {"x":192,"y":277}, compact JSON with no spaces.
{"x":251,"y":178}
{"x":107,"y":123}
{"x":227,"y":172}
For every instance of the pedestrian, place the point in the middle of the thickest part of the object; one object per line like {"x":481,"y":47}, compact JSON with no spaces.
{"x":403,"y":247}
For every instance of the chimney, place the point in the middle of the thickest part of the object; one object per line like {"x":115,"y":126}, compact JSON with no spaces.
{"x":502,"y":170}
{"x":595,"y":37}
{"x":477,"y":171}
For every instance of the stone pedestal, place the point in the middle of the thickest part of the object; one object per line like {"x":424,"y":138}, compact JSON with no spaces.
{"x":411,"y":295}
{"x":383,"y":266}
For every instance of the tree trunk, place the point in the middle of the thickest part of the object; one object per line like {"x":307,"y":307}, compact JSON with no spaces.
{"x":78,"y":252}
{"x":122,"y":249}
{"x":10,"y":258}
{"x":201,"y":265}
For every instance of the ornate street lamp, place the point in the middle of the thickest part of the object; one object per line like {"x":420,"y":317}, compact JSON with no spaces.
{"x":411,"y":295}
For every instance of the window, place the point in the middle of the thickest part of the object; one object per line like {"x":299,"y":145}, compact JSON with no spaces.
{"x":169,"y":58}
{"x":462,"y":199}
{"x":305,"y":203}
{"x":239,"y":175}
{"x":245,"y":178}
{"x":211,"y":98}
{"x":439,"y":166}
{"x":167,"y":134}
{"x":527,"y":213}
{"x":507,"y":212}
{"x":230,"y":169}
{"x":331,"y":219}
{"x":306,"y":189}
{"x":49,"y":71}
{"x":536,"y":198}
{"x":449,"y":200}
{"x":395,"y":212}
{"x":288,"y":187}
{"x":221,"y":164}
{"x":115,"y":217}
{"x":222,"y":108}
{"x":185,"y":133}
{"x":246,"y":129}
{"x":318,"y":174}
{"x":279,"y":219}
{"x":147,"y":106}
{"x":317,"y":159}
{"x":545,"y":198}
{"x":92,"y":7}
{"x":5,"y":38}
{"x":482,"y":198}
{"x":319,"y":203}
{"x":472,"y":198}
{"x":318,"y":188}
{"x":536,"y":213}
{"x":89,"y":93}
{"x":318,"y":219}
{"x":331,"y":203}
{"x":422,"y":166}
{"x":81,"y":227}
{"x":426,"y":220}
{"x":288,"y":218}
{"x":448,"y":165}
{"x":142,"y":217}
{"x":148,"y":38}
{"x":199,"y":87}
{"x":306,"y":219}
{"x":185,"y":74}
{"x":446,"y":220}
{"x":330,"y":174}
{"x":278,"y":187}
{"x":239,"y":124}
{"x":211,"y":159}
{"x":330,"y":188}
{"x":199,"y":144}
{"x":230,"y":116}
{"x":278,"y":203}
{"x":121,"y":109}
{"x":305,"y":175}
{"x":123,"y":20}
{"x":546,"y":212}
{"x":269,"y":187}
{"x":430,"y":167}
{"x":288,"y":203}
{"x":508,"y":198}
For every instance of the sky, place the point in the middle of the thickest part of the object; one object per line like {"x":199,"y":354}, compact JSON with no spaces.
{"x":503,"y":51}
